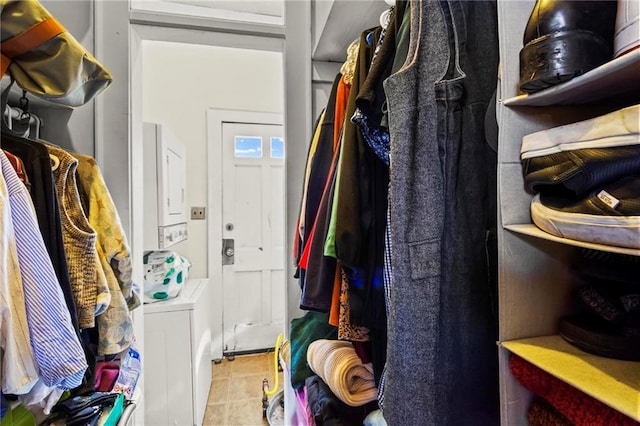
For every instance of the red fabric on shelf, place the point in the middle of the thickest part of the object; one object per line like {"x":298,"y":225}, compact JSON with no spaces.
{"x":578,"y":407}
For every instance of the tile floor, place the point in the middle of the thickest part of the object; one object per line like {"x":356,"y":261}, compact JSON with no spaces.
{"x":235,"y":397}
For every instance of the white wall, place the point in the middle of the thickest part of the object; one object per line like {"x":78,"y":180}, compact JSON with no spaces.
{"x":180,"y":81}
{"x":261,"y":7}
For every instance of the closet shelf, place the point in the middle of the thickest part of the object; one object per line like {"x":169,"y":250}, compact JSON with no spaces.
{"x":534,"y":231}
{"x":337,"y":23}
{"x":613,"y":382}
{"x":616,"y":78}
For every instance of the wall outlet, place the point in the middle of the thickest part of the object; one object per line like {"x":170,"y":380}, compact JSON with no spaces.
{"x":197,"y":213}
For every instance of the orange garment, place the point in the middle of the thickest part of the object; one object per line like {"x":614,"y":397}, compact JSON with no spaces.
{"x":334,"y":313}
{"x":342,"y":95}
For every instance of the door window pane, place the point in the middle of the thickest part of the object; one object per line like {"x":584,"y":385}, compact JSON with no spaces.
{"x":277,"y":147}
{"x":248,"y":146}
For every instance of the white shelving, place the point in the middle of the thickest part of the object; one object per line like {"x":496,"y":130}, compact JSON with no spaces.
{"x":534,"y":231}
{"x":535,"y":273}
{"x":598,"y":84}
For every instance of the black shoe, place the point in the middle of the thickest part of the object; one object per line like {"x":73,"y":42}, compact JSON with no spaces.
{"x":602,"y":302}
{"x":593,"y":335}
{"x":607,"y":269}
{"x":609,"y":216}
{"x":573,"y":174}
{"x":573,"y":159}
{"x":564,"y":39}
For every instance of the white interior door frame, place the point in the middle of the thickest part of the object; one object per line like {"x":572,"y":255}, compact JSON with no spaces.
{"x":125,"y":32}
{"x":183,"y":29}
{"x":215,"y":119}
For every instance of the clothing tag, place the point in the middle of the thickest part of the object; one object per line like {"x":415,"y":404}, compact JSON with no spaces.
{"x":608,"y":199}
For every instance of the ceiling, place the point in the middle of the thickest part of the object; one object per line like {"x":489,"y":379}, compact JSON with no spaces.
{"x":337,"y":23}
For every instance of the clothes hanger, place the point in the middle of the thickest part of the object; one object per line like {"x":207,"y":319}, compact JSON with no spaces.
{"x":385,"y":18}
{"x":24,"y":119}
{"x":22,"y":115}
{"x":21,"y":126}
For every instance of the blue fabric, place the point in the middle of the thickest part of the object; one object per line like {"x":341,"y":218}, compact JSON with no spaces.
{"x":369,"y":38}
{"x":3,"y":405}
{"x":376,"y":137}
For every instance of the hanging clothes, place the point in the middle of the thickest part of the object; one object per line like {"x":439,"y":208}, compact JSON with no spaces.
{"x":342,"y":97}
{"x":303,"y":230}
{"x":19,"y":372}
{"x":56,"y":348}
{"x":103,"y":217}
{"x":18,"y":166}
{"x":90,"y":290}
{"x":316,"y":294}
{"x":403,"y":24}
{"x":115,"y":327}
{"x":442,"y":357}
{"x":37,"y":166}
{"x":360,"y":212}
{"x":353,"y":293}
{"x":86,"y":255}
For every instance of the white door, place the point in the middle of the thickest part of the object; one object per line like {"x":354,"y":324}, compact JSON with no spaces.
{"x":253,"y":232}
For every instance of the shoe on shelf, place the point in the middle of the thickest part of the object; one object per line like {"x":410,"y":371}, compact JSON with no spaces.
{"x":564,"y":39}
{"x":603,"y":302}
{"x":595,"y":336}
{"x":607,"y":269}
{"x":615,"y":304}
{"x":627,"y":33}
{"x":575,"y":158}
{"x":609,"y":216}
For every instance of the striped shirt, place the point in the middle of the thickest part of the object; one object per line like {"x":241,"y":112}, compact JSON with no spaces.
{"x":19,"y":372}
{"x":57,"y":350}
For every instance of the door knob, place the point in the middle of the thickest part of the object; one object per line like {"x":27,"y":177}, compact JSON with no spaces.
{"x":228,"y":251}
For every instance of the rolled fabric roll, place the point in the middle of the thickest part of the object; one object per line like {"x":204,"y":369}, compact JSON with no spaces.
{"x":337,"y":363}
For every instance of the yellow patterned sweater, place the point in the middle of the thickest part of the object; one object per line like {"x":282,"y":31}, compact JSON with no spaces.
{"x":114,"y":326}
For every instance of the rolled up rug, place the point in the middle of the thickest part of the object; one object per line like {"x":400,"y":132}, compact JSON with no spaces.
{"x":337,"y":363}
